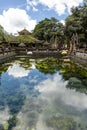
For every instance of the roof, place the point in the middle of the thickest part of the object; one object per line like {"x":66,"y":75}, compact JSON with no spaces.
{"x":24,"y":32}
{"x":23,"y":39}
{"x":46,"y":43}
{"x":38,"y":41}
{"x":22,"y":45}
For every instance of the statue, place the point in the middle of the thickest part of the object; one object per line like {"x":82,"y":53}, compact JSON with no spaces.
{"x":73,"y":43}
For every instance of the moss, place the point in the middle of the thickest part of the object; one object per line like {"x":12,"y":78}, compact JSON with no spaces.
{"x":49,"y":65}
{"x":6,"y":126}
{"x":61,"y":123}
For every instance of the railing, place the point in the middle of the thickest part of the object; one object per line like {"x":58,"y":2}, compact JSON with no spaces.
{"x":6,"y":55}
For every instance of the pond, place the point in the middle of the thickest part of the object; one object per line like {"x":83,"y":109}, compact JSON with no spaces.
{"x":43,"y":94}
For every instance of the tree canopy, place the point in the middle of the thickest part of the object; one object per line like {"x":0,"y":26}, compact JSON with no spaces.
{"x":48,"y":28}
{"x":1,"y":33}
{"x":77,"y":23}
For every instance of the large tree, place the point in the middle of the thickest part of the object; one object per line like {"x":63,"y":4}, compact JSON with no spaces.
{"x":48,"y":28}
{"x":73,"y":23}
{"x":77,"y":23}
{"x":83,"y":19}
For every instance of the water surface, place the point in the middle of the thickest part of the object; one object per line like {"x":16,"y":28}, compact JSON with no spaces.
{"x":43,"y":94}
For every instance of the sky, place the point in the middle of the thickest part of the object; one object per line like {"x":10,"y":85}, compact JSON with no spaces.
{"x":16,"y":15}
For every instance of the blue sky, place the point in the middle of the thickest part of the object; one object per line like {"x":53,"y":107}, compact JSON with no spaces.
{"x":18,"y":14}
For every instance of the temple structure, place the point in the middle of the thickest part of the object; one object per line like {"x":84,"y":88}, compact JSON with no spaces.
{"x":24,"y":32}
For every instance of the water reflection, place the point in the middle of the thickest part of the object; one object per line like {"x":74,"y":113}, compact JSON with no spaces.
{"x":54,"y":103}
{"x":4,"y":115}
{"x":55,"y":88}
{"x":17,"y":71}
{"x":45,"y":94}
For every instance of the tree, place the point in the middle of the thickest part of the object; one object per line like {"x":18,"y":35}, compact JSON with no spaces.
{"x":1,"y":33}
{"x":73,"y":23}
{"x":77,"y":23}
{"x":85,"y":2}
{"x":4,"y":36}
{"x":83,"y":19}
{"x":47,"y":28}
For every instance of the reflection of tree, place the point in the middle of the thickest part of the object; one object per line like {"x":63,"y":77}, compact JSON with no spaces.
{"x":77,"y":77}
{"x":73,"y":70}
{"x":12,"y":122}
{"x":68,"y":70}
{"x":77,"y":84}
{"x":61,"y":123}
{"x":1,"y":127}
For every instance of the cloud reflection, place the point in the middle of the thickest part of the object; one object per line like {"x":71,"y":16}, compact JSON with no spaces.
{"x":17,"y":71}
{"x":4,"y":116}
{"x":53,"y":100}
{"x":55,"y":88}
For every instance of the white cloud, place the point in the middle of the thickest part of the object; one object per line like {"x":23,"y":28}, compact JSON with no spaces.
{"x":32,"y":4}
{"x":58,"y":6}
{"x":63,"y":22}
{"x":14,"y":20}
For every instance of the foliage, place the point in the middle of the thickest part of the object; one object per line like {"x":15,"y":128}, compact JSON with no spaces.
{"x":9,"y":38}
{"x":77,"y":23}
{"x":47,"y":28}
{"x":73,"y":24}
{"x":23,"y":38}
{"x":84,"y":21}
{"x":1,"y":33}
{"x":48,"y":65}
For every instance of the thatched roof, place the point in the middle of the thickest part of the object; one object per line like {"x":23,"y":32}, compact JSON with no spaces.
{"x":26,"y":39}
{"x":38,"y":41}
{"x":46,"y":43}
{"x":24,"y":32}
{"x":22,"y":45}
{"x":23,"y":39}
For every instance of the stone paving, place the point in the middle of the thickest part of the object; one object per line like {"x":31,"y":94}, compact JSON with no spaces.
{"x":81,"y":55}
